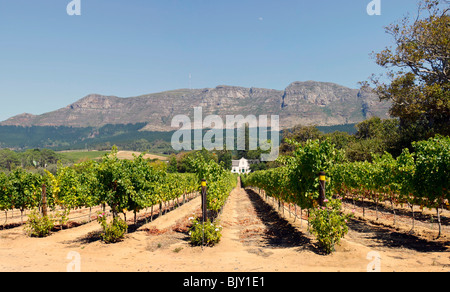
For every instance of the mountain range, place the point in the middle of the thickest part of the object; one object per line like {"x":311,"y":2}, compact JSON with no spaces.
{"x":306,"y":103}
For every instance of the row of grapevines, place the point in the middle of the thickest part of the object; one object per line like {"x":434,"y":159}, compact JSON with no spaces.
{"x":19,"y":190}
{"x":418,"y":178}
{"x":220,"y":181}
{"x":121,"y":184}
{"x":297,"y":181}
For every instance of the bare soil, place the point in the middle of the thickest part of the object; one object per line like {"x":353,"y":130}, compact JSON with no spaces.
{"x":129,"y":155}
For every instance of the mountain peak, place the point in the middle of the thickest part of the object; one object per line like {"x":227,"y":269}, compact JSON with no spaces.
{"x":24,"y":119}
{"x":94,"y":101}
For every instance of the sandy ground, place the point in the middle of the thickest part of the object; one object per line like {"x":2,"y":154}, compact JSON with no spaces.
{"x":256,"y":238}
{"x":129,"y":155}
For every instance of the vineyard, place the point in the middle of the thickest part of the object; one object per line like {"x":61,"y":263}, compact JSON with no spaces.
{"x":118,"y":185}
{"x":419,"y":178}
{"x":315,"y":184}
{"x":121,"y":185}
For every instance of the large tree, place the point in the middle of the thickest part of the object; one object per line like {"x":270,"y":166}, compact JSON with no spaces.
{"x":418,"y":72}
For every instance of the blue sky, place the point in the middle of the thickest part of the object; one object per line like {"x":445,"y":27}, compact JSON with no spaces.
{"x":49,"y":59}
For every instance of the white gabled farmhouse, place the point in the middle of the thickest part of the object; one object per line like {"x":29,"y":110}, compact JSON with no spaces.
{"x":242,"y":165}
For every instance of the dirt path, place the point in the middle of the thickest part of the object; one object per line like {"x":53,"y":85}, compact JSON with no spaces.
{"x":256,"y":238}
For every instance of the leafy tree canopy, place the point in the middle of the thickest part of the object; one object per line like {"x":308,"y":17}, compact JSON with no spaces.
{"x":418,"y":72}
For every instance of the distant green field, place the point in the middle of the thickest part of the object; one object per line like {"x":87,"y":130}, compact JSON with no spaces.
{"x":77,"y":155}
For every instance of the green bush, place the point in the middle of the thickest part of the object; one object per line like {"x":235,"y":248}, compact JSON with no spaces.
{"x":208,"y":234}
{"x":38,"y":225}
{"x":114,"y":231}
{"x":328,"y":224}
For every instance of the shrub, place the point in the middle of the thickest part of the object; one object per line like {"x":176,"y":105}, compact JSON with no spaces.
{"x":329,"y":225}
{"x":208,"y":233}
{"x":38,"y":225}
{"x":114,"y":231}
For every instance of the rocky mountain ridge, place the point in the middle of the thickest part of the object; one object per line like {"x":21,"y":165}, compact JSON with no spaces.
{"x":306,"y":103}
